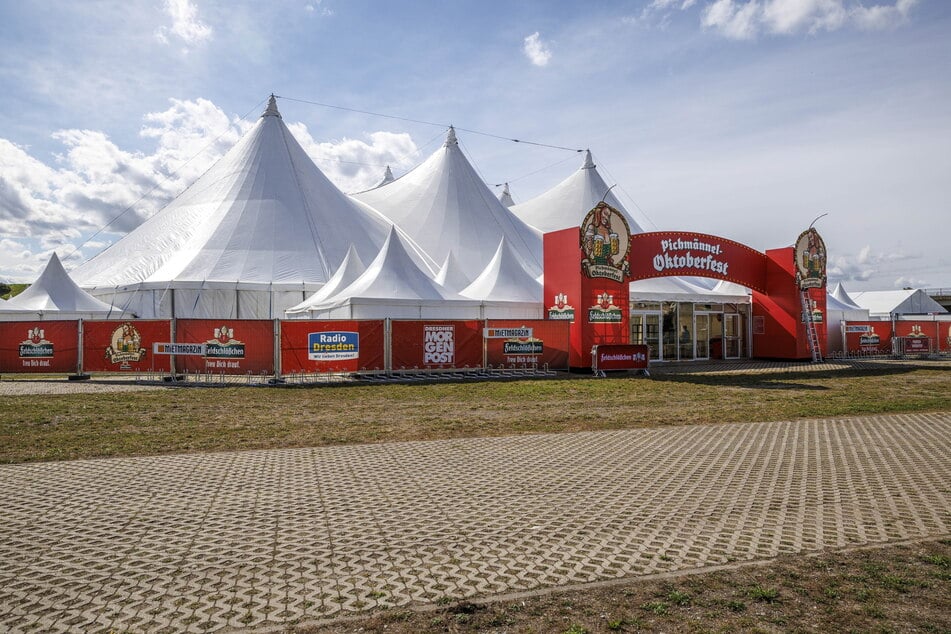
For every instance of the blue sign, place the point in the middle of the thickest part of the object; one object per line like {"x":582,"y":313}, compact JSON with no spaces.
{"x":333,"y":346}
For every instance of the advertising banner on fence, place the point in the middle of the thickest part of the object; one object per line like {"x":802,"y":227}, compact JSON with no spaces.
{"x":542,"y":342}
{"x":868,"y":337}
{"x":436,"y":344}
{"x":620,"y":357}
{"x":232,"y":346}
{"x":331,"y":346}
{"x":124,"y":346}
{"x":39,"y":346}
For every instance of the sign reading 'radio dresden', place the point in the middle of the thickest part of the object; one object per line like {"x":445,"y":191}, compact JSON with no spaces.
{"x":606,"y":243}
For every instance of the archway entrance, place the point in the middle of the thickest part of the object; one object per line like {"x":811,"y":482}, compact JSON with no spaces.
{"x":590,"y":270}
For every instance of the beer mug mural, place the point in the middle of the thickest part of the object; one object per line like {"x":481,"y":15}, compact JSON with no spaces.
{"x":605,"y":240}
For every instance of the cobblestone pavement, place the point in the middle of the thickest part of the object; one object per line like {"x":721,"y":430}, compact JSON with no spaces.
{"x":220,"y":541}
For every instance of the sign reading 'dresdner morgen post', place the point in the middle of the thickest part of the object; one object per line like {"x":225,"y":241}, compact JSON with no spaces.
{"x":665,"y":253}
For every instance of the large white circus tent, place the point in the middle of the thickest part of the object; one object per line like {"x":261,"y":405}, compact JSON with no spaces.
{"x":55,"y":296}
{"x":261,"y":230}
{"x":392,"y":286}
{"x":445,"y":206}
{"x":566,"y":204}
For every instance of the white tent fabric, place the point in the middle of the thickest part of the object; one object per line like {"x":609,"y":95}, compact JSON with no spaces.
{"x":888,"y":304}
{"x":445,"y":206}
{"x":566,"y":204}
{"x":838,"y":311}
{"x":347,"y":273}
{"x":506,"y":197}
{"x":54,"y":295}
{"x":392,"y":286}
{"x":681,"y":289}
{"x":451,"y":275}
{"x":504,"y":280}
{"x":840,"y":294}
{"x":255,"y":234}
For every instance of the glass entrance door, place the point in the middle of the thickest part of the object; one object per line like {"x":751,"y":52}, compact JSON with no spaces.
{"x":645,"y":329}
{"x":701,"y":330}
{"x":732,"y":336}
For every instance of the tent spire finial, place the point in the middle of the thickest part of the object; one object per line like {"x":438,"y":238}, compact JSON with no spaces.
{"x":451,"y":137}
{"x":588,"y":161}
{"x":272,"y":110}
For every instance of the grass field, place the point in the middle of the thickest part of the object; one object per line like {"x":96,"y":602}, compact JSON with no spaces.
{"x":187,"y":419}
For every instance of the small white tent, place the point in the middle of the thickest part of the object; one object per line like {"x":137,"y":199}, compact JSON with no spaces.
{"x":392,"y":286}
{"x":890,"y":304}
{"x":54,"y":295}
{"x":258,"y":232}
{"x":507,"y":290}
{"x":838,"y":311}
{"x":451,"y":276}
{"x":445,"y":206}
{"x":347,"y":273}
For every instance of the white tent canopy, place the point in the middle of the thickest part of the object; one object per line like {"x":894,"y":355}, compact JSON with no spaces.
{"x":445,"y":206}
{"x":451,"y":275}
{"x":683,"y":289}
{"x":347,"y":273}
{"x":54,"y":295}
{"x":566,"y":204}
{"x":392,"y":286}
{"x":838,"y":311}
{"x":840,"y":294}
{"x":261,"y":229}
{"x":504,"y":280}
{"x":888,"y":304}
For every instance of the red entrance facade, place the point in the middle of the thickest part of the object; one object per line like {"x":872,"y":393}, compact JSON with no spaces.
{"x":588,"y":272}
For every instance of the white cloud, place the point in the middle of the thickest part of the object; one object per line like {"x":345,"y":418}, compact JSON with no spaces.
{"x":536,"y":50}
{"x":317,"y":7}
{"x":747,"y":19}
{"x":185,"y":24}
{"x":354,"y":165}
{"x":867,"y":264}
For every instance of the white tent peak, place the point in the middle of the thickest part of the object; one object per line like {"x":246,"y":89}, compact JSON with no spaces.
{"x":55,"y":291}
{"x":443,"y":204}
{"x":347,"y":273}
{"x":451,"y":275}
{"x":504,"y":279}
{"x":588,"y":161}
{"x":842,"y":296}
{"x":272,"y":110}
{"x":566,"y":204}
{"x":258,"y":232}
{"x":506,"y":196}
{"x":393,"y":275}
{"x":451,"y":137}
{"x":387,"y":177}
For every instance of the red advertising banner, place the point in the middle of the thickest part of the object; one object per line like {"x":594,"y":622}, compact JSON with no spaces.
{"x":124,"y":346}
{"x":331,"y":346}
{"x":233,"y":346}
{"x":868,"y":337}
{"x":39,"y":346}
{"x":436,"y":344}
{"x":664,"y":253}
{"x":548,"y":344}
{"x":620,"y":357}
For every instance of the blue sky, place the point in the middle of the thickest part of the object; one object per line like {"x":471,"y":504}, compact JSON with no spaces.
{"x":742,"y":118}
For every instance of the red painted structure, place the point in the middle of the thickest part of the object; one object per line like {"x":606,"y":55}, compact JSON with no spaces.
{"x":779,"y":327}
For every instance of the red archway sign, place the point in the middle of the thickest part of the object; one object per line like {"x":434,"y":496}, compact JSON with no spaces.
{"x":684,"y":253}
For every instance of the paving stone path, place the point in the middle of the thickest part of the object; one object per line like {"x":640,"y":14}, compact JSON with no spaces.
{"x":224,"y":541}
